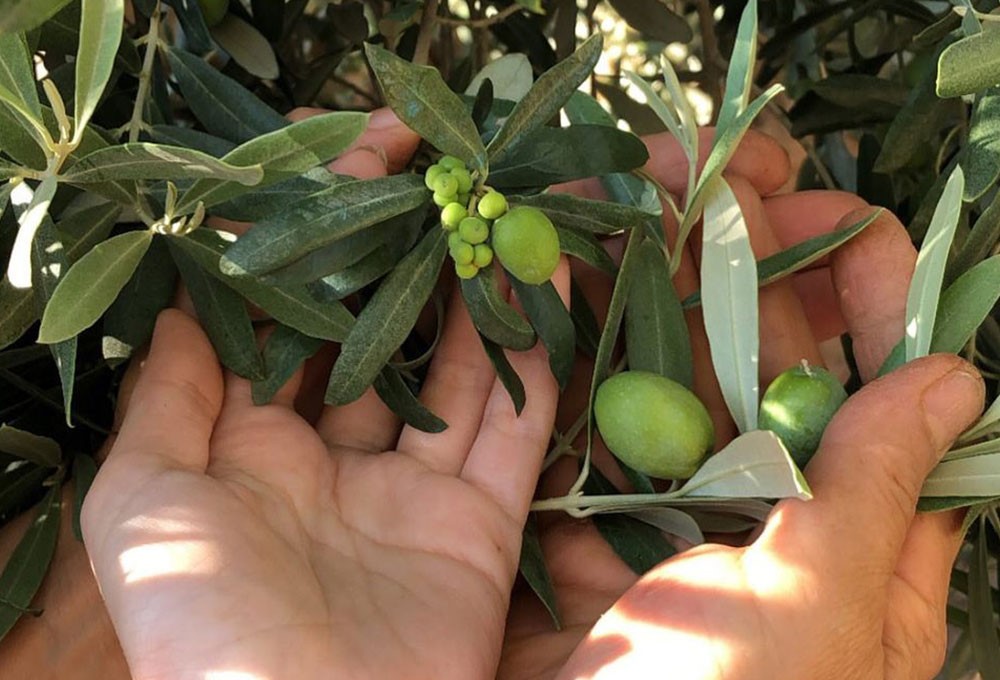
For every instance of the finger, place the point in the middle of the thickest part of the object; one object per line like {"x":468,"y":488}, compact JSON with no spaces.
{"x":458,"y":384}
{"x":915,"y":633}
{"x":806,"y":214}
{"x":506,"y":456}
{"x":386,"y":145}
{"x":176,"y":400}
{"x":871,"y":276}
{"x":365,"y":424}
{"x":870,"y":467}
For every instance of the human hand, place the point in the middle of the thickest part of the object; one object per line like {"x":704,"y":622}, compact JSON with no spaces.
{"x":848,"y":585}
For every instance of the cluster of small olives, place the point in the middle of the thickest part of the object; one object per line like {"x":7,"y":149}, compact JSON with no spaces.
{"x":480,"y":223}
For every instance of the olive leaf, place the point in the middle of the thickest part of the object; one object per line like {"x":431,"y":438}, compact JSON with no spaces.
{"x":283,"y":154}
{"x":981,"y":161}
{"x":586,"y":248}
{"x":25,"y":15}
{"x":91,"y":285}
{"x":368,"y":269}
{"x":424,"y":102}
{"x":739,"y":75}
{"x":656,"y":334}
{"x":84,"y":472}
{"x":19,"y":265}
{"x":387,"y":319}
{"x":545,"y":98}
{"x":671,"y":521}
{"x":22,"y":486}
{"x":100,"y":33}
{"x":26,"y":567}
{"x":982,"y":623}
{"x":156,"y":161}
{"x":291,"y":305}
{"x":394,"y":392}
{"x":972,"y":476}
{"x":588,"y":334}
{"x":511,"y":77}
{"x":532,"y":567}
{"x":222,"y":313}
{"x":969,"y":65}
{"x":509,"y":378}
{"x":40,"y":450}
{"x":321,"y":219}
{"x":574,"y":212}
{"x":192,"y":139}
{"x":754,"y":465}
{"x":17,"y":73}
{"x":978,"y":243}
{"x":285,"y":351}
{"x":729,"y":303}
{"x":247,"y":47}
{"x":493,"y":316}
{"x":925,"y":287}
{"x":552,"y":321}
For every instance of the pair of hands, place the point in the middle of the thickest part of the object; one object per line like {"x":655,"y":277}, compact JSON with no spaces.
{"x":254,"y":541}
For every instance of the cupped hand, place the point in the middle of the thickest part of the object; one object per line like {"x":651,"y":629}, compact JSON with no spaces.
{"x":851,"y":584}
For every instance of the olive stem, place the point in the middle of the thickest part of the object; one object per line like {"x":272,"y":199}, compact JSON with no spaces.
{"x":135,"y":124}
{"x":486,"y":22}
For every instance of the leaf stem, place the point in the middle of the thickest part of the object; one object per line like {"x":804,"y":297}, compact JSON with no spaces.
{"x":485,"y":22}
{"x":135,"y":124}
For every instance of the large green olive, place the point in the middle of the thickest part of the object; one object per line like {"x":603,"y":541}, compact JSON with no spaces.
{"x":653,"y":424}
{"x":527,"y":244}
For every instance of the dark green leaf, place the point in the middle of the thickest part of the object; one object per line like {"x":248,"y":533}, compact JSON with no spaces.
{"x":26,"y":567}
{"x":284,"y":353}
{"x":656,"y":333}
{"x":17,"y":142}
{"x":49,"y":264}
{"x":981,"y":162}
{"x":84,"y":471}
{"x":588,"y":334}
{"x":654,"y":19}
{"x":982,"y":622}
{"x":129,"y":321}
{"x":586,"y":248}
{"x":91,"y":285}
{"x":638,"y":544}
{"x":247,"y":47}
{"x":28,"y":446}
{"x":573,"y":212}
{"x":17,"y":16}
{"x":264,"y":202}
{"x":509,"y":378}
{"x":393,"y":391}
{"x":192,"y":139}
{"x":493,"y":315}
{"x":321,"y":219}
{"x":22,"y":486}
{"x":424,"y":102}
{"x":17,"y":73}
{"x":100,"y":33}
{"x":195,"y":31}
{"x":979,"y":243}
{"x":553,"y":323}
{"x":554,"y":155}
{"x":545,"y":98}
{"x":387,"y":319}
{"x":222,"y":313}
{"x":156,"y":161}
{"x":224,"y":107}
{"x":291,"y":305}
{"x":969,"y":65}
{"x":535,"y":573}
{"x":283,"y":154}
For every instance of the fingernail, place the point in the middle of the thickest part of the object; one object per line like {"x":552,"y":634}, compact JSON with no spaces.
{"x":952,"y":403}
{"x":382,"y":119}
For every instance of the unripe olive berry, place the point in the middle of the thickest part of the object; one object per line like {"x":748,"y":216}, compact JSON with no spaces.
{"x":484,"y":255}
{"x":466,"y":271}
{"x":527,"y":244}
{"x":446,"y":185}
{"x":463,"y":198}
{"x":213,"y":11}
{"x":454,"y":238}
{"x":474,"y":230}
{"x":463,"y":253}
{"x":451,"y":163}
{"x":441,"y":200}
{"x":432,"y":174}
{"x":464,"y":180}
{"x":653,"y":424}
{"x":493,"y":205}
{"x":452,"y":214}
{"x":798,"y":405}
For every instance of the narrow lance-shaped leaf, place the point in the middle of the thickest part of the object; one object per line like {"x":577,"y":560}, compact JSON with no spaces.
{"x":41,"y":450}
{"x":158,"y":162}
{"x":286,"y":350}
{"x":493,"y":316}
{"x":981,"y":161}
{"x":546,"y":97}
{"x":24,"y":15}
{"x":100,"y":33}
{"x":19,"y":265}
{"x":739,"y":77}
{"x":282,"y":154}
{"x":574,"y":212}
{"x":508,"y":376}
{"x":664,"y":111}
{"x":91,"y":285}
{"x":49,"y":264}
{"x":393,"y":391}
{"x":427,"y":105}
{"x":387,"y":319}
{"x":971,"y":476}
{"x":321,"y":219}
{"x":17,"y":71}
{"x":969,"y":65}
{"x":729,"y":303}
{"x":223,"y":315}
{"x":552,"y":322}
{"x":982,"y":621}
{"x":535,"y":573}
{"x":925,"y":288}
{"x":656,"y":334}
{"x":586,"y":248}
{"x":27,"y":565}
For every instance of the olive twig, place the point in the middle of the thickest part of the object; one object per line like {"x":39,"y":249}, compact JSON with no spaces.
{"x":136,"y":123}
{"x":486,"y":22}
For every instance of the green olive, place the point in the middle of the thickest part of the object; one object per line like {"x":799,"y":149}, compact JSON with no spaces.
{"x":432,"y":174}
{"x":441,"y":200}
{"x":463,"y":253}
{"x":492,"y":205}
{"x":464,"y":180}
{"x":527,"y":244}
{"x":446,"y":185}
{"x":798,"y":405}
{"x":213,"y":11}
{"x":454,"y":238}
{"x":483,"y":255}
{"x":452,"y":214}
{"x":451,"y":163}
{"x":474,"y":230}
{"x":653,"y":424}
{"x":466,"y":271}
